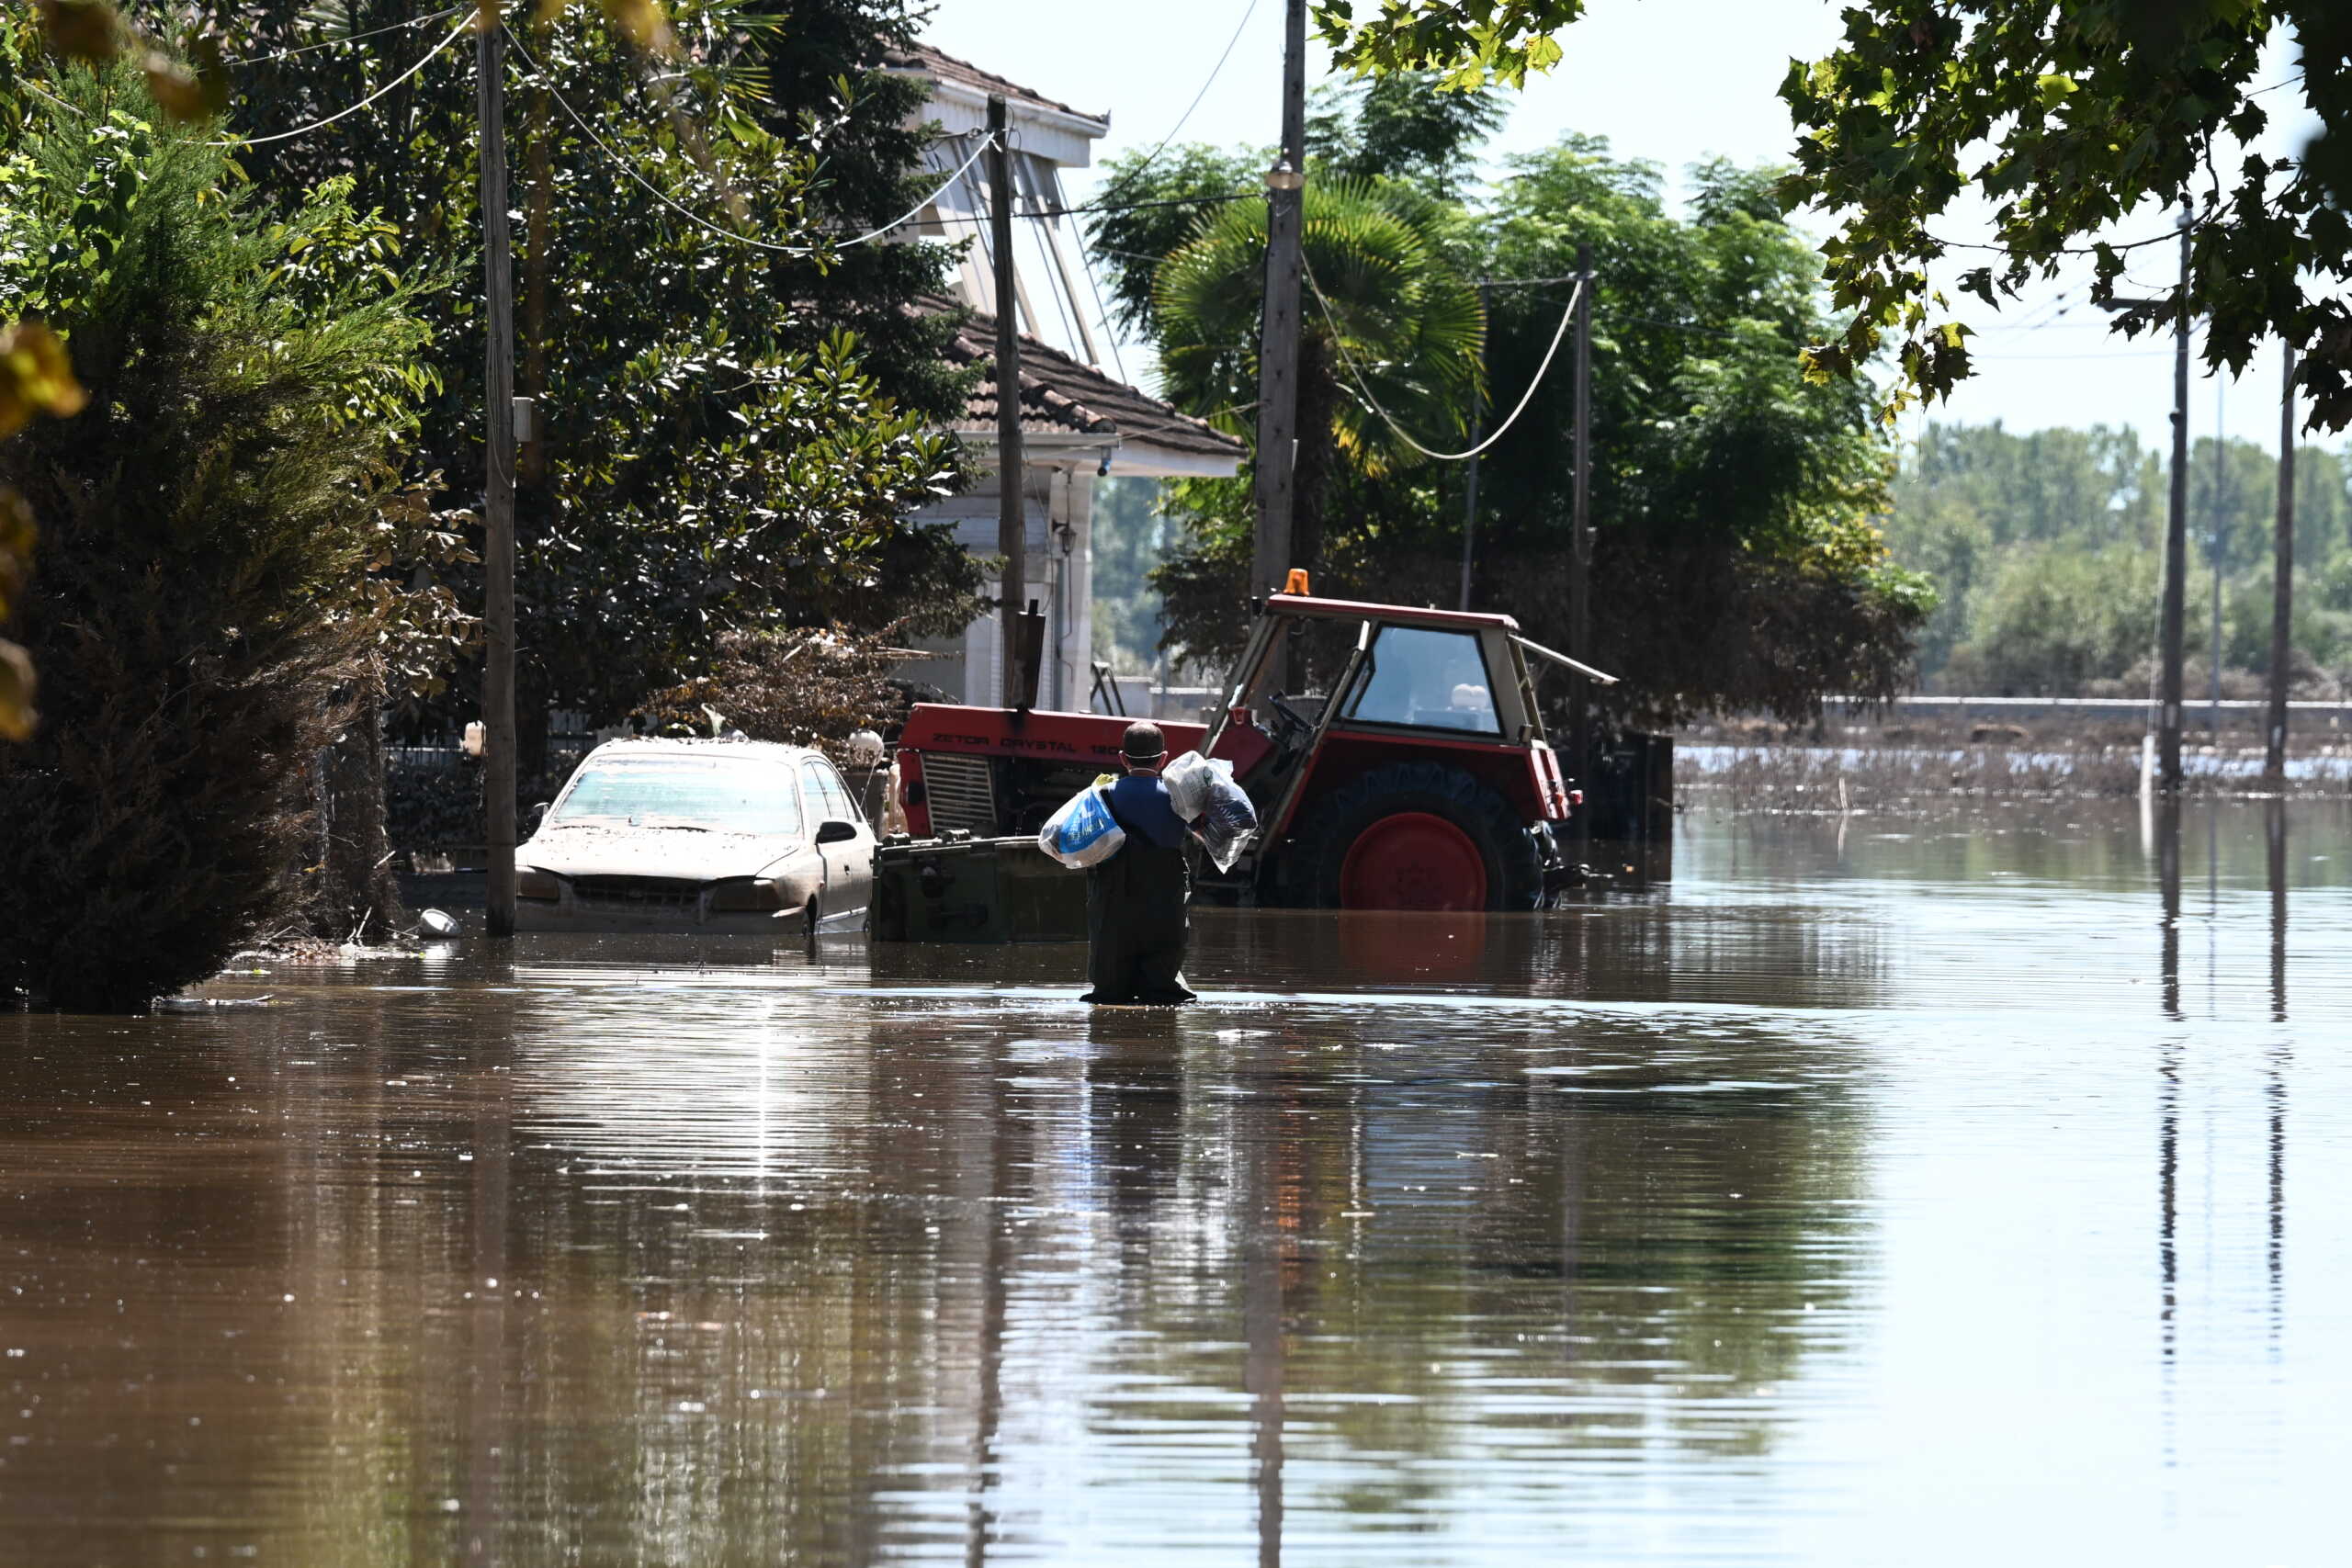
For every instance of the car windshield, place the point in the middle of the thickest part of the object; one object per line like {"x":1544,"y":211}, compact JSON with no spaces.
{"x":722,"y":795}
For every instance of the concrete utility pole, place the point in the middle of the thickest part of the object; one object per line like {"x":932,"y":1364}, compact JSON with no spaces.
{"x":1011,"y":525}
{"x":1278,"y":326}
{"x":1580,"y":529}
{"x":2213,"y":544}
{"x":1470,"y":478}
{"x":498,"y":488}
{"x":2175,"y":610}
{"x":2282,"y":588}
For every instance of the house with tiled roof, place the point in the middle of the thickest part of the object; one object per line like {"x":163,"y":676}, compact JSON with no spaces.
{"x":1082,"y":419}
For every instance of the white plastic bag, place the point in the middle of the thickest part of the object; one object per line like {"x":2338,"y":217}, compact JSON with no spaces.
{"x":1196,"y":785}
{"x":1187,"y":779}
{"x":1083,"y":832}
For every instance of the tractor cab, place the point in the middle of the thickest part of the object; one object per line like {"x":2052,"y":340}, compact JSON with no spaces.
{"x":1430,"y":712}
{"x":1396,"y":756}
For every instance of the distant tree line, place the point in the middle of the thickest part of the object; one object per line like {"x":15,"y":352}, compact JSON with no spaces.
{"x":2047,"y":553}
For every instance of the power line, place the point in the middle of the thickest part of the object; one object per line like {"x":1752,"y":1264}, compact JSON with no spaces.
{"x":52,"y":97}
{"x":1152,"y":157}
{"x":463,"y":23}
{"x":627,"y":166}
{"x":1205,"y":201}
{"x":1340,"y":340}
{"x":2070,"y":250}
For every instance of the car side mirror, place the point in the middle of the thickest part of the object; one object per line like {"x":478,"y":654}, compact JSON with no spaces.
{"x":836,"y":832}
{"x":540,"y":814}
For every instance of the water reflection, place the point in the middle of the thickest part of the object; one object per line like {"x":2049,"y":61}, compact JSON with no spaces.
{"x":1727,"y":1223}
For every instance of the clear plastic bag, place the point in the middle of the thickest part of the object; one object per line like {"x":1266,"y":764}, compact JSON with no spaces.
{"x":1201,"y":789}
{"x":1083,"y":832}
{"x":1187,"y":779}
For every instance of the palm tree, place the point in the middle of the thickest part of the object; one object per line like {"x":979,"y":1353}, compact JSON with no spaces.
{"x":1386,"y":320}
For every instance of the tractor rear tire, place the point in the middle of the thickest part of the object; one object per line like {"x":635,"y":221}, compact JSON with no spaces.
{"x":1415,"y":835}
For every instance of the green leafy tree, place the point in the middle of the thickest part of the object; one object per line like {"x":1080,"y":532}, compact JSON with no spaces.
{"x":1401,"y":127}
{"x":208,"y":521}
{"x":1390,"y":324}
{"x":35,"y":378}
{"x":1468,"y":42}
{"x":1737,"y":564}
{"x":2056,"y":617}
{"x":1128,"y":541}
{"x":2066,"y":117}
{"x":716,"y":454}
{"x":1988,"y":511}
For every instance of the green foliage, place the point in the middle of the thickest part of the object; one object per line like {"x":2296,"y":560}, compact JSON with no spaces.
{"x":2067,"y":119}
{"x":1160,"y":202}
{"x":208,"y":522}
{"x":2056,"y":616}
{"x":1402,"y":127}
{"x":1130,"y":536}
{"x":2019,"y":529}
{"x":1468,"y":42}
{"x":1382,"y":302}
{"x":716,"y":454}
{"x":808,"y":686}
{"x":1737,"y":565}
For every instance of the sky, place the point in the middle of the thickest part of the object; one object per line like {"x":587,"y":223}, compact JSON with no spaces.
{"x":1670,"y":80}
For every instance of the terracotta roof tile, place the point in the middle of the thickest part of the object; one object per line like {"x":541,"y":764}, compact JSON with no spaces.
{"x":1059,"y":396}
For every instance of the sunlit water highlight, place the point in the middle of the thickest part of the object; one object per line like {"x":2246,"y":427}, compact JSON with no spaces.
{"x":1884,"y":1191}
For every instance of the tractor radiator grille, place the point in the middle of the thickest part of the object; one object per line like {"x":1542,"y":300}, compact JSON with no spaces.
{"x":962,"y":792}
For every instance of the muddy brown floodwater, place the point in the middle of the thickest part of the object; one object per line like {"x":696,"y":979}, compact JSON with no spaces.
{"x":1884,"y":1191}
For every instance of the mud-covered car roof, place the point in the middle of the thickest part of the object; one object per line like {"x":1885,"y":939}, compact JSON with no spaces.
{"x":701,"y":746}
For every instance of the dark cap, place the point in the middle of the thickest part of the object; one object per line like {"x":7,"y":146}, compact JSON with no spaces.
{"x":1144,"y":743}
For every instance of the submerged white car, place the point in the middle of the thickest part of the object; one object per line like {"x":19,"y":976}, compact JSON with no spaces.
{"x":726,"y":836}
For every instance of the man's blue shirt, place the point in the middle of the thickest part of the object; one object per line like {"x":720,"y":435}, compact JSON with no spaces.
{"x":1139,"y":802}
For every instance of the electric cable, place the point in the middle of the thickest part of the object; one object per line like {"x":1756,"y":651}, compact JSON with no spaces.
{"x":1206,"y":199}
{"x":1214,"y":70}
{"x":464,"y":22}
{"x":1340,"y":342}
{"x":52,"y":97}
{"x":627,"y":166}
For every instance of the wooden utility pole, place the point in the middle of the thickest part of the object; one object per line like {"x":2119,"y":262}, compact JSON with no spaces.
{"x":2175,"y":610}
{"x":1580,"y":529}
{"x":1278,"y":326}
{"x":498,"y":488}
{"x":1012,"y":525}
{"x":1470,"y":478}
{"x":2282,"y":583}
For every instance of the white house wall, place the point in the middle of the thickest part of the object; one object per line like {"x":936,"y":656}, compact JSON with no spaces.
{"x":1060,"y":578}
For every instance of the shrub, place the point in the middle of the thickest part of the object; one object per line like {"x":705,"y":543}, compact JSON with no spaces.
{"x":199,"y":619}
{"x":808,"y":686}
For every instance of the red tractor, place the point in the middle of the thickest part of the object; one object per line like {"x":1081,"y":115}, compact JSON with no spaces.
{"x":1418,"y":778}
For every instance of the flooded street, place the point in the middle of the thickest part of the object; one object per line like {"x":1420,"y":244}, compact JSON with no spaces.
{"x":1938,"y":1190}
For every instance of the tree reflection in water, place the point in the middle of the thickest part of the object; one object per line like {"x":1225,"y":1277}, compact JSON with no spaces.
{"x":1424,"y":1239}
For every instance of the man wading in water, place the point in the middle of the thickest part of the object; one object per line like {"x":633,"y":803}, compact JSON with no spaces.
{"x":1135,"y":927}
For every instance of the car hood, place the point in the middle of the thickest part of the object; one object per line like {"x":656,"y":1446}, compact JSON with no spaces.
{"x":656,"y":852}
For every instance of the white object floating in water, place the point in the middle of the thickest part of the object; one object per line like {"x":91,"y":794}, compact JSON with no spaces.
{"x":438,"y":924}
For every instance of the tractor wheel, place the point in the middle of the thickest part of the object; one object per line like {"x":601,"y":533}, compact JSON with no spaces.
{"x":1415,"y":836}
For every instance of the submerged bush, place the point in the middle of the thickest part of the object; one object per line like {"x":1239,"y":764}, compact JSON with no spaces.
{"x":206,"y":524}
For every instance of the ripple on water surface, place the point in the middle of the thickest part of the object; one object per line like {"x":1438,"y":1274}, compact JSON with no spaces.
{"x":1878,"y":1191}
